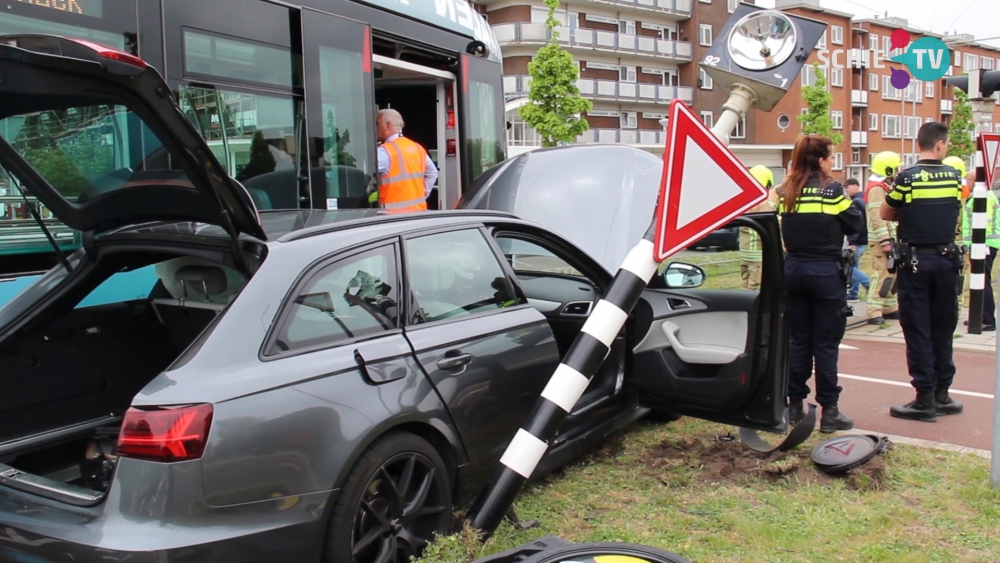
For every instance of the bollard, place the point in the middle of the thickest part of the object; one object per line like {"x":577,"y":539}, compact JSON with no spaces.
{"x":977,"y":275}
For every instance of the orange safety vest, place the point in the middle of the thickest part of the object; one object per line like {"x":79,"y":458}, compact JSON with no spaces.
{"x":874,"y":183}
{"x":401,"y":189}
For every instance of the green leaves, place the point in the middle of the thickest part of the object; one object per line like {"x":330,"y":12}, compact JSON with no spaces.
{"x":961,"y":129}
{"x":817,"y":120}
{"x":554,"y":107}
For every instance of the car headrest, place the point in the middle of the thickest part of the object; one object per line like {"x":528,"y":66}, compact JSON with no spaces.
{"x":208,"y":280}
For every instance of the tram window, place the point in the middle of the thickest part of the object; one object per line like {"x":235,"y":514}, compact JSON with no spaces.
{"x":485,"y":148}
{"x":210,"y":55}
{"x":345,"y":137}
{"x":14,"y":24}
{"x":253,"y":136}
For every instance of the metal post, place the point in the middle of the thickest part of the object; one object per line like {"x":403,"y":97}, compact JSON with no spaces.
{"x":977,"y":278}
{"x":995,"y":455}
{"x":584,"y":357}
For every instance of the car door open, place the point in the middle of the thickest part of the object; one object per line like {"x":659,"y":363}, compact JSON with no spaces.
{"x":715,"y":354}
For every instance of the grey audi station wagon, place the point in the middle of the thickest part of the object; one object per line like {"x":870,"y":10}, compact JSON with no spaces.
{"x":318,"y":385}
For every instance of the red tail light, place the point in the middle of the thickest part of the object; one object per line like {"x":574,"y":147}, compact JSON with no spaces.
{"x":165,"y":434}
{"x":450,"y":148}
{"x":109,"y":53}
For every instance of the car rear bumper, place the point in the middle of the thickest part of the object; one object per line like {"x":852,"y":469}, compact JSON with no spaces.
{"x":33,"y":530}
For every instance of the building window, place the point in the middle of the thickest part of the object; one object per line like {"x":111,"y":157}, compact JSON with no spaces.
{"x":804,"y":111}
{"x":890,"y":126}
{"x":873,"y":82}
{"x":706,"y":117}
{"x":837,"y":77}
{"x":912,"y":92}
{"x":956,"y":58}
{"x":626,"y":74}
{"x":928,"y":119}
{"x":873,"y":42}
{"x":822,"y":42}
{"x":705,"y":1}
{"x":889,"y":92}
{"x":986,"y":63}
{"x":873,"y":122}
{"x":809,"y":75}
{"x":838,"y":161}
{"x":838,"y":119}
{"x":704,"y":80}
{"x":886,"y":44}
{"x":705,"y":35}
{"x":627,"y":27}
{"x":731,"y":5}
{"x":837,"y":35}
{"x":909,"y":160}
{"x":910,"y":127}
{"x":971,"y":62}
{"x":628,"y":120}
{"x":996,"y":128}
{"x":741,"y":129}
{"x":929,"y":90}
{"x":855,"y":156}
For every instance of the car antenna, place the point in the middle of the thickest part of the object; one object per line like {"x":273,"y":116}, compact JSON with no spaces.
{"x":33,"y":209}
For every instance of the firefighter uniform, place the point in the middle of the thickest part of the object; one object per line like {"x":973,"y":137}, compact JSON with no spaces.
{"x":814,"y":234}
{"x":927,"y":198}
{"x":881,"y":302}
{"x":750,"y":249}
{"x":992,"y":246}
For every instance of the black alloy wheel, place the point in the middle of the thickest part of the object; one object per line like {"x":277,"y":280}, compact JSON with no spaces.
{"x":395,"y":500}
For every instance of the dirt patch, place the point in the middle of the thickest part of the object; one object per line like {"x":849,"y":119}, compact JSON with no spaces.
{"x":723,"y":458}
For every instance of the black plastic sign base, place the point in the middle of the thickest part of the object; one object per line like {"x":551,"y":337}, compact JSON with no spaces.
{"x":799,"y":434}
{"x":841,"y":454}
{"x":550,"y":549}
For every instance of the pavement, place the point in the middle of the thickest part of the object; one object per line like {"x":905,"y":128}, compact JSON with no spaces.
{"x":874,"y":376}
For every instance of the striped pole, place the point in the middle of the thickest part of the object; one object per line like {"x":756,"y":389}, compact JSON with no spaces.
{"x":565,"y":387}
{"x":977,"y":276}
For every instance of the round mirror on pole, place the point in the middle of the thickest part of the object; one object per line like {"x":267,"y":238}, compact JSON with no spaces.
{"x":762,"y":40}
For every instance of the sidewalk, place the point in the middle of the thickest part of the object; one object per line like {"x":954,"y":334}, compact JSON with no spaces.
{"x":857,"y":327}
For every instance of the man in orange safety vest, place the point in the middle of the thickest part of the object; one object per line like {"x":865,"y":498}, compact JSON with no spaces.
{"x":406,"y":172}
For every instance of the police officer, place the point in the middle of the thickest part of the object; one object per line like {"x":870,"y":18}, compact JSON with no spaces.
{"x":926,"y":200}
{"x":816,"y":215}
{"x":750,"y":251}
{"x":960,"y":238}
{"x":881,"y":303}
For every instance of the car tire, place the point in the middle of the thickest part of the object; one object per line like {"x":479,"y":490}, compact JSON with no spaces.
{"x":369,"y":518}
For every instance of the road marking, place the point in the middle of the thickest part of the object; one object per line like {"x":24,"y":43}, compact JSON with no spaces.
{"x":846,"y":347}
{"x":901,"y":384}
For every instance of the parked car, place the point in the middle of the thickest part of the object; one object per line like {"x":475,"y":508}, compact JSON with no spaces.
{"x":312,"y":385}
{"x":726,"y":238}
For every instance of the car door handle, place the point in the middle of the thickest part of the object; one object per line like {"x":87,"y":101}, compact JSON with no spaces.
{"x":452,"y":362}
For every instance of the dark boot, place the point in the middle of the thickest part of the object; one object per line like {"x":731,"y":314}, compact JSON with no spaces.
{"x":944,"y":404}
{"x":795,"y":413}
{"x":833,"y":420}
{"x":923,"y":408}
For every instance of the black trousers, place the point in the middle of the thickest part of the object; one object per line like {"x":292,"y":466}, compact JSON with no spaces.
{"x":928,"y":314}
{"x":816,"y":296}
{"x":989,"y":305}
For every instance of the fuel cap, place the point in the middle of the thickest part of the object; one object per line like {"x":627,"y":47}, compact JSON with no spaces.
{"x":843,"y":453}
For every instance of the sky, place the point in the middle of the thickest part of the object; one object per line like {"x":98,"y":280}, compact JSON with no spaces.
{"x":977,"y":17}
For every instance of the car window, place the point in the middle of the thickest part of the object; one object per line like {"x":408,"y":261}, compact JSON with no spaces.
{"x":455,"y":274}
{"x":529,"y":257}
{"x":353,"y":297}
{"x":121,"y":287}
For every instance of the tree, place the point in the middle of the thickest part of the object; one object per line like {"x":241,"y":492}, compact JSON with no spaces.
{"x":961,"y":129}
{"x":261,"y":159}
{"x":817,"y":120}
{"x":554,"y":105}
{"x":339,"y":142}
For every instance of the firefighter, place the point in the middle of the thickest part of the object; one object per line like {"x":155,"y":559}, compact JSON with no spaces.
{"x":816,"y":216}
{"x":406,"y":172}
{"x":750,"y":252}
{"x":926,"y":201}
{"x":992,"y":246}
{"x":881,"y":303}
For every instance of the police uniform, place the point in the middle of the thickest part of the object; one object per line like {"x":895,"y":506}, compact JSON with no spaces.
{"x":927,"y":198}
{"x":813,"y":233}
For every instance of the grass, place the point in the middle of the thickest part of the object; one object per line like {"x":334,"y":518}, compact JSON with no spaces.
{"x":926,"y":506}
{"x":722,"y":269}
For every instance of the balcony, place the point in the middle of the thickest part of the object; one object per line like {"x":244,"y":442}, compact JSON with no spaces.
{"x":859,"y":138}
{"x":859,"y":98}
{"x":946,"y":106}
{"x":509,"y":34}
{"x":626,"y":136}
{"x":516,"y":86}
{"x":680,"y":8}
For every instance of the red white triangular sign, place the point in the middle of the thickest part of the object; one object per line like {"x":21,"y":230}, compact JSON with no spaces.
{"x":990,"y":148}
{"x":704,"y":185}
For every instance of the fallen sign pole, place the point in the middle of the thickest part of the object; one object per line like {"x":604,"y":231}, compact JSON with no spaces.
{"x":683,"y":214}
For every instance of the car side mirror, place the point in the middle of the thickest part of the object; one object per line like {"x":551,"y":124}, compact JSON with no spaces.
{"x":322,"y":301}
{"x":679,"y":275}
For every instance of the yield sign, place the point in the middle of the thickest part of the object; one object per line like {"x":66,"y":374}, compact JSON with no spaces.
{"x":704,"y":185}
{"x":990,"y":147}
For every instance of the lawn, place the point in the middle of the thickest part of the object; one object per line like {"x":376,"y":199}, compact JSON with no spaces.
{"x":722,"y":269}
{"x":677,"y":487}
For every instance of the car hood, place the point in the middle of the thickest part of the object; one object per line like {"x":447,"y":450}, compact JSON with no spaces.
{"x":43,"y":75}
{"x":600,"y":197}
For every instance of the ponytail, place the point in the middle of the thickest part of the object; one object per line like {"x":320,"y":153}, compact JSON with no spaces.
{"x":808,"y":151}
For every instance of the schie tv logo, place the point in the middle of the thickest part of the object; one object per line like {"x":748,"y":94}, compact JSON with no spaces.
{"x":926,"y":59}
